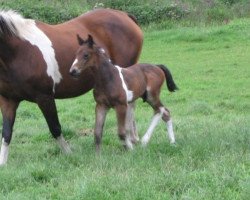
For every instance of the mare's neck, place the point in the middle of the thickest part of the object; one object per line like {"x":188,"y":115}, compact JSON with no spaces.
{"x":6,"y":51}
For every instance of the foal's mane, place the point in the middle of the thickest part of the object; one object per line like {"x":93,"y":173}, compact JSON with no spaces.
{"x":14,"y":24}
{"x":101,"y":51}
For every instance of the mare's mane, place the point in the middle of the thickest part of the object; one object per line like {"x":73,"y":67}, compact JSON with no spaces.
{"x":14,"y":24}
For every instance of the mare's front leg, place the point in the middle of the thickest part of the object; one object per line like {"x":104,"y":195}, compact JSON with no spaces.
{"x":8,"y":109}
{"x":48,"y":108}
{"x":100,"y":115}
{"x":123,"y":127}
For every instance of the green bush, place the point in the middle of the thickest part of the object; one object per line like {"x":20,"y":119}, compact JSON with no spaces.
{"x":54,"y":11}
{"x":184,"y":12}
{"x":217,"y":14}
{"x":146,"y":11}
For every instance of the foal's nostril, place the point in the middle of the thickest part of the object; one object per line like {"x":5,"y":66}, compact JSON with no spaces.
{"x":73,"y":72}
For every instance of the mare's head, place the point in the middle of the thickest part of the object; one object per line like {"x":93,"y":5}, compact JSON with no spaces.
{"x":87,"y":56}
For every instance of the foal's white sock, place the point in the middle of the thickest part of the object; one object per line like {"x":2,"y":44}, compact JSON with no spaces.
{"x":145,"y":139}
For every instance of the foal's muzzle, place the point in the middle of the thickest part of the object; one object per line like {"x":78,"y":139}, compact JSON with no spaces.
{"x":74,"y":72}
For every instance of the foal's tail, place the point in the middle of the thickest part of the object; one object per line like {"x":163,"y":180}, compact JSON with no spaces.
{"x":169,"y":79}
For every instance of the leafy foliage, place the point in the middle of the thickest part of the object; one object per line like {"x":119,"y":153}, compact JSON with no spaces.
{"x":146,"y":11}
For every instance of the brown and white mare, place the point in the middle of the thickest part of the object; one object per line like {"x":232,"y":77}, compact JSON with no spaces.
{"x":118,"y":88}
{"x":35,"y":59}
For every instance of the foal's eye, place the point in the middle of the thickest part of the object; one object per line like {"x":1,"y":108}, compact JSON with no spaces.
{"x":85,"y":56}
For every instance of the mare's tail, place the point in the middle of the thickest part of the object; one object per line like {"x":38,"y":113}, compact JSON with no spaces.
{"x":169,"y":79}
{"x":133,"y":18}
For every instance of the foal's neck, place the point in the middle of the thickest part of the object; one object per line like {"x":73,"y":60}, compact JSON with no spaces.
{"x":104,"y":71}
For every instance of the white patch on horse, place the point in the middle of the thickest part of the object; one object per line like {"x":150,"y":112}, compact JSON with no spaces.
{"x":4,"y":152}
{"x":75,"y":61}
{"x":128,"y":143}
{"x":170,"y":131}
{"x":26,"y":29}
{"x":154,"y":122}
{"x":102,"y":50}
{"x":129,"y":93}
{"x":63,"y":144}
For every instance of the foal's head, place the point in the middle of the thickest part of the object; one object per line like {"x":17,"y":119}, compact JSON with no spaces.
{"x":86,"y":56}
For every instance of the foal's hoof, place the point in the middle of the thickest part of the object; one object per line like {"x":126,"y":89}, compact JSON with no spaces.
{"x":128,"y":145}
{"x":134,"y":140}
{"x":144,"y":141}
{"x":173,"y":144}
{"x":2,"y":163}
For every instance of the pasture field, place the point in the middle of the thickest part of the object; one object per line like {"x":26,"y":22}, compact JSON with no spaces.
{"x":211,"y":115}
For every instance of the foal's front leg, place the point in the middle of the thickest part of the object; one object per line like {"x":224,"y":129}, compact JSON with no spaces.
{"x":123,"y":126}
{"x":130,"y":121}
{"x":100,"y":113}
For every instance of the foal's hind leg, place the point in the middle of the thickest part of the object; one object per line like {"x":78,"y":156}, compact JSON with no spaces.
{"x":48,"y":107}
{"x":166,"y":117}
{"x":123,"y":127}
{"x":156,"y":118}
{"x":100,"y":113}
{"x":160,"y":112}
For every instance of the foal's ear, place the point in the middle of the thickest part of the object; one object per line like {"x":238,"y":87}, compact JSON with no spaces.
{"x":90,"y":41}
{"x":80,"y":40}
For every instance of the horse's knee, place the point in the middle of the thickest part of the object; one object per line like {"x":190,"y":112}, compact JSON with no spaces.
{"x":166,"y":115}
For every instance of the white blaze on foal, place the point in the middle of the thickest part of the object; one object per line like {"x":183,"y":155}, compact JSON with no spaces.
{"x":74,"y":66}
{"x":27,"y":30}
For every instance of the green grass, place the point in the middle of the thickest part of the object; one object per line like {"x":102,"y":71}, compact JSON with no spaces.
{"x":211,"y":114}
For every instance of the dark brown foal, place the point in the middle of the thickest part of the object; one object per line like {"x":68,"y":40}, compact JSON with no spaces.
{"x":118,"y":88}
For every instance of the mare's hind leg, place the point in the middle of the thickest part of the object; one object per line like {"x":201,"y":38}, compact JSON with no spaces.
{"x":130,"y":122}
{"x":123,"y":128}
{"x":100,"y":113}
{"x":8,"y":108}
{"x":48,"y":108}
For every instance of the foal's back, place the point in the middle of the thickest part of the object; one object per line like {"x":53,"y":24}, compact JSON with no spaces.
{"x":142,"y":77}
